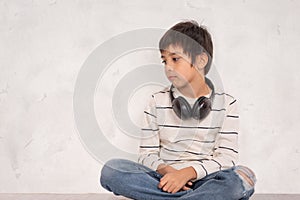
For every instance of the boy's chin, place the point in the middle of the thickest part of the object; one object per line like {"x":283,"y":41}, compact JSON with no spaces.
{"x":179,"y":85}
{"x":178,"y":82}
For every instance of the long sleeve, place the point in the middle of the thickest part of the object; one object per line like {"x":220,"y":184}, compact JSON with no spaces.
{"x":150,"y":141}
{"x":225,"y":154}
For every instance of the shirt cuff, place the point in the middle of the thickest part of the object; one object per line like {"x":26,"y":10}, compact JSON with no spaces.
{"x":200,"y":171}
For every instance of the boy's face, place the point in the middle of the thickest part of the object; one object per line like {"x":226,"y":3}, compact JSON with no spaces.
{"x":178,"y":67}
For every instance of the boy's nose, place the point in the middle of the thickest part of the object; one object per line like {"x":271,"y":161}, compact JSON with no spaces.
{"x":169,"y":67}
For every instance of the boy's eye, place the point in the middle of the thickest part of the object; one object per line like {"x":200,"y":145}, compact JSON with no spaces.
{"x":175,"y":59}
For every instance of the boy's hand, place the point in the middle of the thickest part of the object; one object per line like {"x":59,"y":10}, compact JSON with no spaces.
{"x":174,"y":181}
{"x":164,"y":169}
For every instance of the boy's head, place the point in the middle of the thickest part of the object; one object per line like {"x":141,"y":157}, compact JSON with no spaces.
{"x":192,"y":38}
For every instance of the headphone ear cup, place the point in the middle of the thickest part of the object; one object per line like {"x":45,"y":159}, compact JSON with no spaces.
{"x":201,"y":108}
{"x":182,"y":108}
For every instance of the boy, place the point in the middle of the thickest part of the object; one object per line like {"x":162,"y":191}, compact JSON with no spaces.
{"x":189,"y":142}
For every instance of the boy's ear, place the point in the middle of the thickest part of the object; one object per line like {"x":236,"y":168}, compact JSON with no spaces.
{"x":201,"y":61}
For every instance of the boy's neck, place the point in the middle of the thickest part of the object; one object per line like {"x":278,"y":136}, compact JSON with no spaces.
{"x":195,"y":89}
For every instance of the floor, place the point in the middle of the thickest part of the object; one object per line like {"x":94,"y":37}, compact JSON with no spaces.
{"x":4,"y":196}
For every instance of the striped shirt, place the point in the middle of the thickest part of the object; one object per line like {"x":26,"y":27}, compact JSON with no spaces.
{"x":208,"y":145}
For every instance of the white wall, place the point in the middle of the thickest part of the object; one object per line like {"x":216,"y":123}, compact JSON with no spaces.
{"x":45,"y":43}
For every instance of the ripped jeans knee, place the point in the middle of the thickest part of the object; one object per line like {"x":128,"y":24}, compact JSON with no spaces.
{"x":247,"y":176}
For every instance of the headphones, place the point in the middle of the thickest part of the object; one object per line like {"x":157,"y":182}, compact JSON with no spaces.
{"x":200,"y":109}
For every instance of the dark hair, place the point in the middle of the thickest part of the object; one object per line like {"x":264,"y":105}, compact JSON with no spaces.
{"x":193,"y":39}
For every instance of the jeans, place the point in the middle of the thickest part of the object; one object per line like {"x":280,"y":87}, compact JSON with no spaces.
{"x":136,"y":181}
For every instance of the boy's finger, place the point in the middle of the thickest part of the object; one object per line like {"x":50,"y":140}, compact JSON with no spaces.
{"x":161,"y":184}
{"x":163,"y":181}
{"x":172,"y":189}
{"x":176,"y":190}
{"x":185,"y":188}
{"x":190,"y":183}
{"x":166,"y":187}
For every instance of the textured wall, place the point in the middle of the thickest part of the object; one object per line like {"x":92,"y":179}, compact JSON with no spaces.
{"x":45,"y":43}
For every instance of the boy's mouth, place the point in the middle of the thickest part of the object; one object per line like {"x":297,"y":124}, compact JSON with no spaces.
{"x":172,"y":77}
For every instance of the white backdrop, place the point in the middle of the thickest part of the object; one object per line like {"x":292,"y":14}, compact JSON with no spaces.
{"x":45,"y":43}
